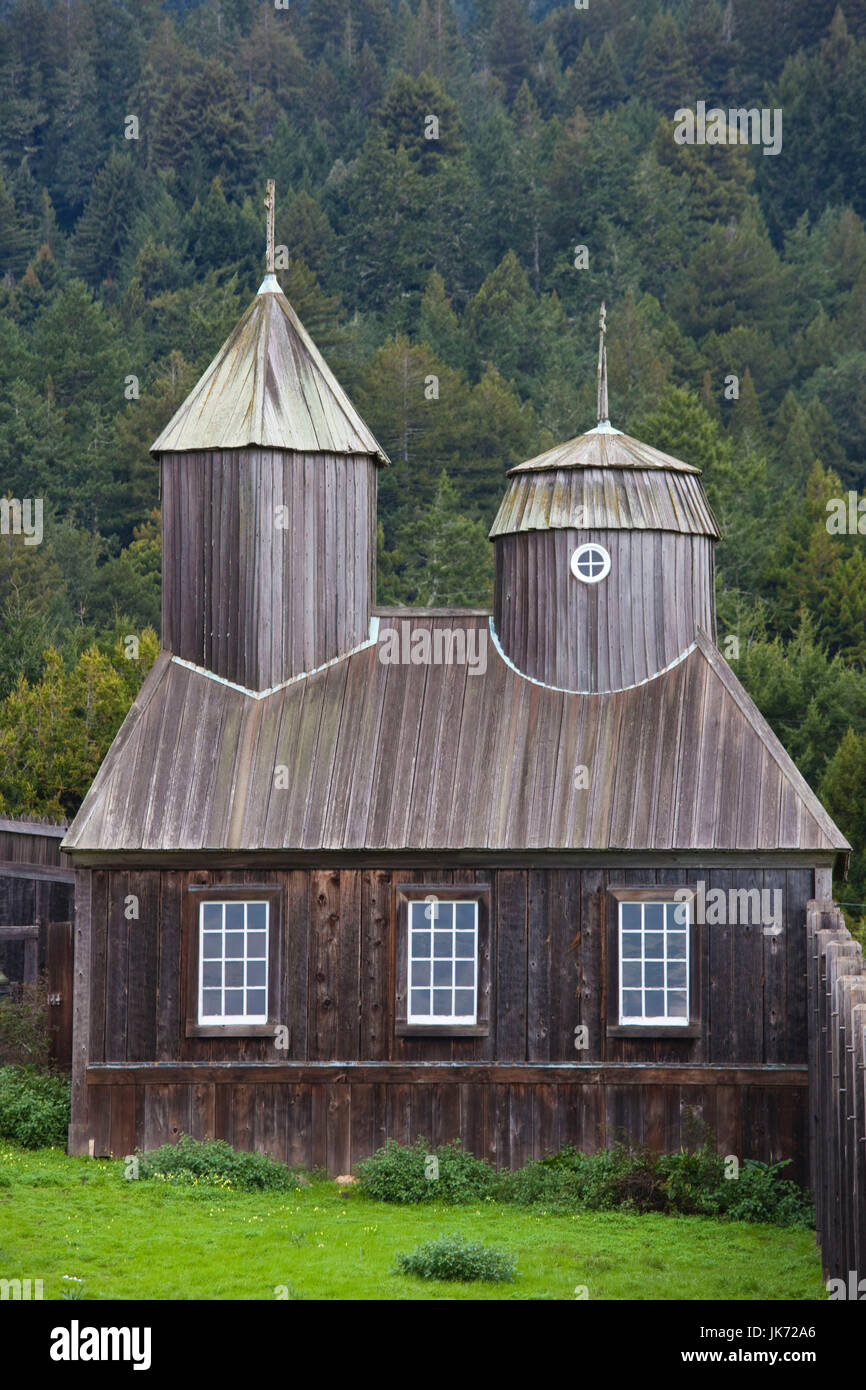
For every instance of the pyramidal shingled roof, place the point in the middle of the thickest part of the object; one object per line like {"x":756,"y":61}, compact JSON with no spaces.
{"x":269,"y":385}
{"x":605,"y":480}
{"x":604,"y":447}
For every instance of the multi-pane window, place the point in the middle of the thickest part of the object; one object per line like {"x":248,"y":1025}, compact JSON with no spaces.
{"x":654,"y":963}
{"x":590,"y":562}
{"x":233,"y":962}
{"x":443,"y":962}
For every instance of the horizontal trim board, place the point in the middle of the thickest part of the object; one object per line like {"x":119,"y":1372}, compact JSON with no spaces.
{"x":17,"y":869}
{"x":32,"y":827}
{"x":408,"y":612}
{"x":448,"y":858}
{"x":437,"y":1073}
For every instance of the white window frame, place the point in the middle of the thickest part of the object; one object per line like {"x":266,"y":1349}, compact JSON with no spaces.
{"x":209,"y":1020}
{"x":431,"y":911}
{"x":578,"y":556}
{"x":683,"y":923}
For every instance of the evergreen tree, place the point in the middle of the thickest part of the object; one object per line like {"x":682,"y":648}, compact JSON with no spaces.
{"x":102,"y":231}
{"x":14,"y":240}
{"x":439,"y":326}
{"x":734,"y":277}
{"x":55,"y":733}
{"x":215,"y":232}
{"x":510,"y":44}
{"x":447,"y":560}
{"x":665,"y":75}
{"x":203,"y":128}
{"x":384,"y":250}
{"x":405,"y":120}
{"x":808,"y":697}
{"x":843,"y":791}
{"x":823,"y":96}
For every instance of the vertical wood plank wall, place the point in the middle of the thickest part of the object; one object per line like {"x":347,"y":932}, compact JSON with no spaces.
{"x":252,"y":600}
{"x":837,"y":1093}
{"x":348,"y":1082}
{"x":609,"y":635}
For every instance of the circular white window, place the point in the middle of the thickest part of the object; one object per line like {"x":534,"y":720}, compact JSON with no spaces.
{"x":590,"y":563}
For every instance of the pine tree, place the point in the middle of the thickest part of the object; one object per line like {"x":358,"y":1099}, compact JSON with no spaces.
{"x":510,"y":44}
{"x":203,"y":128}
{"x":843,"y":791}
{"x":500,"y":432}
{"x":385,"y":249}
{"x":405,"y":119}
{"x":610,"y":85}
{"x":417,"y":408}
{"x":439,"y":326}
{"x":665,"y":75}
{"x":548,"y":83}
{"x":14,"y":240}
{"x":581,"y":78}
{"x":102,"y":231}
{"x":734,"y":278}
{"x":214,"y":230}
{"x":447,"y":558}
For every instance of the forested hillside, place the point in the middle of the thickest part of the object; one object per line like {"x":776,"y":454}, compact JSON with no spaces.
{"x":452,"y":275}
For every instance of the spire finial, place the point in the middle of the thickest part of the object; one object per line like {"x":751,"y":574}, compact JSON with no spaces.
{"x":269,"y":204}
{"x":602,"y":367}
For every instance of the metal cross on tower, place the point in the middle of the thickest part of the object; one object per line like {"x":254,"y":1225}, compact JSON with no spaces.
{"x":602,"y":367}
{"x":269,"y":204}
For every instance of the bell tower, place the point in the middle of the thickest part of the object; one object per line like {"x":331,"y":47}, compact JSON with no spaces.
{"x":268,"y":477}
{"x":604,"y":559}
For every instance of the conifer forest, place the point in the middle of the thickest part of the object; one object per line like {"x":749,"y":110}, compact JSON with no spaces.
{"x":459,"y":185}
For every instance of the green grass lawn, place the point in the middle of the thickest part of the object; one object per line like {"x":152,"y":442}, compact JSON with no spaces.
{"x":139,"y":1240}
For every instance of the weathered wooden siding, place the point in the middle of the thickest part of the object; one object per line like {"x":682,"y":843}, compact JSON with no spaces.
{"x":605,"y":636}
{"x":347,"y":1081}
{"x":837,"y":1092}
{"x":254,"y":601}
{"x":32,"y":842}
{"x":36,"y":887}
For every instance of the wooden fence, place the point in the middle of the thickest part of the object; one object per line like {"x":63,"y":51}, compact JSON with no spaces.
{"x":37,"y":886}
{"x":837,"y":1091}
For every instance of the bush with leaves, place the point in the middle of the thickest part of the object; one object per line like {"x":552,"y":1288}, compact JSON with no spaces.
{"x":760,"y":1194}
{"x":34,"y":1108}
{"x":574,"y":1181}
{"x":397,"y":1173}
{"x":458,"y":1259}
{"x":214,"y":1163}
{"x":623,"y":1177}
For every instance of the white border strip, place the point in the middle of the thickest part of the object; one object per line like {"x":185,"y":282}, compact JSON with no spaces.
{"x":371,"y":641}
{"x":563,"y":690}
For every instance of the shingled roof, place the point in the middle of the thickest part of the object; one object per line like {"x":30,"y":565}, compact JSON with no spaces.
{"x":604,"y":447}
{"x":269,"y":385}
{"x":605,"y":480}
{"x":422,"y":757}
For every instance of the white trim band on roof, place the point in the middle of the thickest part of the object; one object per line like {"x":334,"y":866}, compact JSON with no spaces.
{"x":563,"y":690}
{"x":371,"y":641}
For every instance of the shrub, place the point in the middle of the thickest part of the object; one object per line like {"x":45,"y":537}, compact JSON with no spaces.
{"x":398,"y":1173}
{"x":687,"y":1183}
{"x":34,"y":1108}
{"x":25,"y":1038}
{"x":214,"y":1163}
{"x":574,"y":1181}
{"x":759,"y":1194}
{"x":692,"y":1181}
{"x":456,"y":1258}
